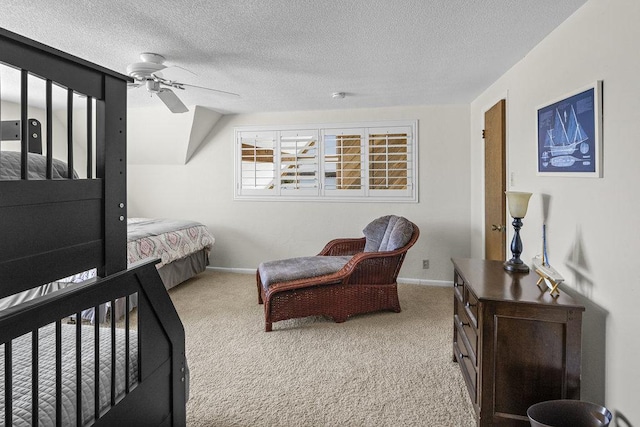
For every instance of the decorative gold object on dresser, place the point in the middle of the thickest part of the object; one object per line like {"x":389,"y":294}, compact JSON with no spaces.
{"x":515,"y":345}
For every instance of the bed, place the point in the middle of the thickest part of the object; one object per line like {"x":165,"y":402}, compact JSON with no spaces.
{"x":182,"y":247}
{"x":22,"y":399}
{"x":127,"y":372}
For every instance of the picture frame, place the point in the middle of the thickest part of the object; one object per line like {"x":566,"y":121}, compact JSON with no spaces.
{"x":569,"y":134}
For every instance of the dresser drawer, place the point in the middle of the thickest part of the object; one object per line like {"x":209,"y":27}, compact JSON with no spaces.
{"x":471,"y":306}
{"x":468,"y":369}
{"x":458,"y":288}
{"x":467,"y":331}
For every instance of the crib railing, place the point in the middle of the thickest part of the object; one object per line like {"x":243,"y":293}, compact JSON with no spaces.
{"x":147,"y":386}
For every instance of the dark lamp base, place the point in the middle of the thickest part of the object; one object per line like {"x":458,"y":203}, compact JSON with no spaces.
{"x":516,"y":267}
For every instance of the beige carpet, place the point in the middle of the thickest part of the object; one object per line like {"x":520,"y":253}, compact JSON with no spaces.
{"x":382,"y":369}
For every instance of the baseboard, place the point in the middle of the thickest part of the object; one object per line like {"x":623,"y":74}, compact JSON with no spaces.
{"x":404,"y":280}
{"x":425,"y":282}
{"x":233,"y":270}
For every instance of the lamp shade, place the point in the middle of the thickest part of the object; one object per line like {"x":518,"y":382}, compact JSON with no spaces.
{"x":518,"y":203}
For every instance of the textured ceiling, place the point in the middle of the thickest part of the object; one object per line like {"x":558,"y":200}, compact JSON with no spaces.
{"x":285,"y":55}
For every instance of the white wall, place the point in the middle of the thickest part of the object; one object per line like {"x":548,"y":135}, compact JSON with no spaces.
{"x":591,"y":232}
{"x":248,"y":232}
{"x":163,"y":138}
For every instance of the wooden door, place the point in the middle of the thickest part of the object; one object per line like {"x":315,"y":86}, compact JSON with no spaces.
{"x":495,"y":182}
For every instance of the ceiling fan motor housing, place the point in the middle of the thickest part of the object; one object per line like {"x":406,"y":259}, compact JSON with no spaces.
{"x":151,"y":64}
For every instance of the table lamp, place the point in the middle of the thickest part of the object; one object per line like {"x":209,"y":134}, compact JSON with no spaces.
{"x":518,"y":202}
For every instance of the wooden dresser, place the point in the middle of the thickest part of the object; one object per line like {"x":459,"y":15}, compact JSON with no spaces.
{"x":515,"y":345}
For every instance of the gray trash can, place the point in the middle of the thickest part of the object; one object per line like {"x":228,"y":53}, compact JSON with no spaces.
{"x":568,"y":413}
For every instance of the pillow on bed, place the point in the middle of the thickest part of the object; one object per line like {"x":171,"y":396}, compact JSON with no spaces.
{"x":387,"y":233}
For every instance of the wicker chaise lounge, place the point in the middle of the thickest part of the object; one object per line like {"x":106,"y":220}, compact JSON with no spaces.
{"x":349,"y":276}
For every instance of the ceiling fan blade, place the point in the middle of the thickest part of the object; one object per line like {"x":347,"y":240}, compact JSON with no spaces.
{"x":181,"y":86}
{"x":172,"y":101}
{"x":210,"y":89}
{"x":169,"y":67}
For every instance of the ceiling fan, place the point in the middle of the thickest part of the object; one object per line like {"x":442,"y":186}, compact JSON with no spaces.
{"x":148,"y":73}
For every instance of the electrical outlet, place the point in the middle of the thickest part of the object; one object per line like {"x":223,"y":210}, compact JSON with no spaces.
{"x":425,"y":264}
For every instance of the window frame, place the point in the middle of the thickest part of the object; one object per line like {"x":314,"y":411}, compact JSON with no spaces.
{"x":321,"y":192}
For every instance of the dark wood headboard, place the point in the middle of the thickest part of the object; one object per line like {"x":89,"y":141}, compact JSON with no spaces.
{"x":52,"y":228}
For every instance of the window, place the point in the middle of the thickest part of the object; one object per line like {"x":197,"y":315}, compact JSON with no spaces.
{"x":299,"y":162}
{"x":258,"y":171}
{"x":358,"y":162}
{"x":343,"y":162}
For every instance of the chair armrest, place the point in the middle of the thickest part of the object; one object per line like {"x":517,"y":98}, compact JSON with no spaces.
{"x":342,"y":247}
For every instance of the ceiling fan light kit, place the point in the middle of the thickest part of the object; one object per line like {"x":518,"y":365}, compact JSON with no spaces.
{"x":147,"y":72}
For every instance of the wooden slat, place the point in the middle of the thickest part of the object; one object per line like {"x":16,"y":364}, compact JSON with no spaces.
{"x":8,"y":383}
{"x":24,"y":124}
{"x":96,"y":362}
{"x":49,"y":118}
{"x":20,"y":193}
{"x":58,"y":373}
{"x":127,"y":344}
{"x":79,"y":420}
{"x":70,"y":133}
{"x":113,"y":352}
{"x":25,"y":273}
{"x":35,"y":386}
{"x":89,"y":137}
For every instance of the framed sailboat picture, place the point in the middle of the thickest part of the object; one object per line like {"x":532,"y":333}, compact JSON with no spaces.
{"x":569,"y":134}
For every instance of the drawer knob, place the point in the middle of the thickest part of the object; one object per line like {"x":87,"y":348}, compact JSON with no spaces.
{"x":462,"y":356}
{"x":468,"y":304}
{"x":463,"y":324}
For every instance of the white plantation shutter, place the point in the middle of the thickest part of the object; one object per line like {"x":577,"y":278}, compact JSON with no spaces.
{"x":257,"y":163}
{"x":343,"y":162}
{"x":370,"y":162}
{"x":390,"y":158}
{"x":299,"y":172}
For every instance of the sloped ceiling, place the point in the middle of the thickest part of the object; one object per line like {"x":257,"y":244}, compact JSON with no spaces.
{"x":284,"y":55}
{"x":162,"y":138}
